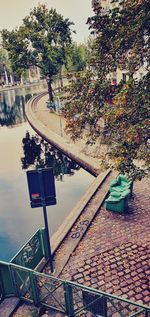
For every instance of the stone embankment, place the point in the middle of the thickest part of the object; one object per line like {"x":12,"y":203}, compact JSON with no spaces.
{"x":120,"y":240}
{"x":47,"y":125}
{"x":51,"y":127}
{"x":111,"y":253}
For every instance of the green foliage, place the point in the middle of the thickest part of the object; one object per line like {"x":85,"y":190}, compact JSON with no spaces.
{"x":40,"y":154}
{"x":128,"y":129}
{"x":78,"y":56}
{"x":40,"y":41}
{"x":76,"y":59}
{"x":122,"y":42}
{"x":4,"y":61}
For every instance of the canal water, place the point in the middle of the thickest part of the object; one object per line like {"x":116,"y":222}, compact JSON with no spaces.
{"x":20,"y":150}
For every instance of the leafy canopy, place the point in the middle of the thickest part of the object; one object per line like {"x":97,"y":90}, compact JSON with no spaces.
{"x":76,"y":57}
{"x":122,"y":42}
{"x":39,"y":41}
{"x":4,"y":62}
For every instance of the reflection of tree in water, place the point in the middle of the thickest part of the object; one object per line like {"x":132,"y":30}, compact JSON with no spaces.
{"x":12,"y":114}
{"x":40,"y":154}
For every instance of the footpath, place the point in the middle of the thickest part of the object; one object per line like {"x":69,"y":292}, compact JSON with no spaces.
{"x":51,"y":127}
{"x":114,"y":252}
{"x":19,"y":86}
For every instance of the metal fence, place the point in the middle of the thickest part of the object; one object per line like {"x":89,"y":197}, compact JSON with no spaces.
{"x":66,"y":297}
{"x":33,"y":251}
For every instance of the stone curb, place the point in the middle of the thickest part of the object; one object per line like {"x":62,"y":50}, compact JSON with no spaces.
{"x":57,"y":141}
{"x":8,"y":306}
{"x":73,"y":152}
{"x":69,"y":221}
{"x":61,"y":143}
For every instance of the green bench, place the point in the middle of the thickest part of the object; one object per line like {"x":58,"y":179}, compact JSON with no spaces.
{"x":120,"y":190}
{"x":118,"y":202}
{"x":120,"y":184}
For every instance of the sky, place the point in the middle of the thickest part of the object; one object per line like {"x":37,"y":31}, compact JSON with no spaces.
{"x":13,"y":11}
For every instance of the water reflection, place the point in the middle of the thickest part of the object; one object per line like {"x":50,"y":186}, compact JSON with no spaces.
{"x":40,"y":154}
{"x":12,"y":103}
{"x":12,"y":108}
{"x":17,"y":221}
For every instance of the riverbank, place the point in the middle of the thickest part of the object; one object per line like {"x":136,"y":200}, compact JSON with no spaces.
{"x":113,"y":254}
{"x":51,"y":127}
{"x":7,"y":88}
{"x":121,"y":240}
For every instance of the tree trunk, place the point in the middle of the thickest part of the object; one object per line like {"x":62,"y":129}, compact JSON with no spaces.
{"x":61,"y":79}
{"x":50,"y":90}
{"x":6,"y":77}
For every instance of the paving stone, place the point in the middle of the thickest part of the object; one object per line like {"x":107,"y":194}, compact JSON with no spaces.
{"x":93,"y":269}
{"x":138,"y":296}
{"x":87,"y":267}
{"x":139,"y":270}
{"x":138,"y":283}
{"x":93,"y":280}
{"x":94,"y":264}
{"x":125,"y":290}
{"x":146,"y":293}
{"x":138,"y":290}
{"x":115,"y":282}
{"x":88,"y":284}
{"x":120,"y":273}
{"x":87,"y":278}
{"x":81,"y":281}
{"x":147,"y":299}
{"x":81,"y":269}
{"x":122,"y":252}
{"x":144,"y":286}
{"x":100,"y":283}
{"x":127,"y":276}
{"x":87,"y":262}
{"x":78,"y":276}
{"x":131,"y":293}
{"x":135,"y":278}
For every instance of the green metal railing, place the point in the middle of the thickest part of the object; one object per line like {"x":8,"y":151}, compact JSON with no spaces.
{"x":33,"y":251}
{"x":67,"y":297}
{"x":19,"y":278}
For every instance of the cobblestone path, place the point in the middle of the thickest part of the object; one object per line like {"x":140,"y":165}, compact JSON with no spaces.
{"x":114,"y":255}
{"x":81,"y":225}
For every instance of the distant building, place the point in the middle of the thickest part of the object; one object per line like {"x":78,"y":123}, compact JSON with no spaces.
{"x":34,"y":74}
{"x":101,"y":7}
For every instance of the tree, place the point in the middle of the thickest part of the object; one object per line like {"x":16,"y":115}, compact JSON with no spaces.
{"x":122,"y":42}
{"x":40,"y":154}
{"x":5,"y":66}
{"x":40,"y":41}
{"x":76,"y":59}
{"x":78,"y":56}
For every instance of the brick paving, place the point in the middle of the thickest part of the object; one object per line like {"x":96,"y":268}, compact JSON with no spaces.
{"x":77,"y":228}
{"x":114,"y":255}
{"x":51,"y":127}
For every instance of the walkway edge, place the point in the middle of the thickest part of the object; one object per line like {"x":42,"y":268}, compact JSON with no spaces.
{"x":71,"y":151}
{"x":74,"y":214}
{"x":57,"y":141}
{"x":8,"y":306}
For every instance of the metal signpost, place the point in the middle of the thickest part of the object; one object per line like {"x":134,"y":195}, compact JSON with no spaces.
{"x":41,"y":186}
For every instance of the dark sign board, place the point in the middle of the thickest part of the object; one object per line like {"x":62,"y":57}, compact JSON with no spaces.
{"x":96,"y":304}
{"x":41,"y":186}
